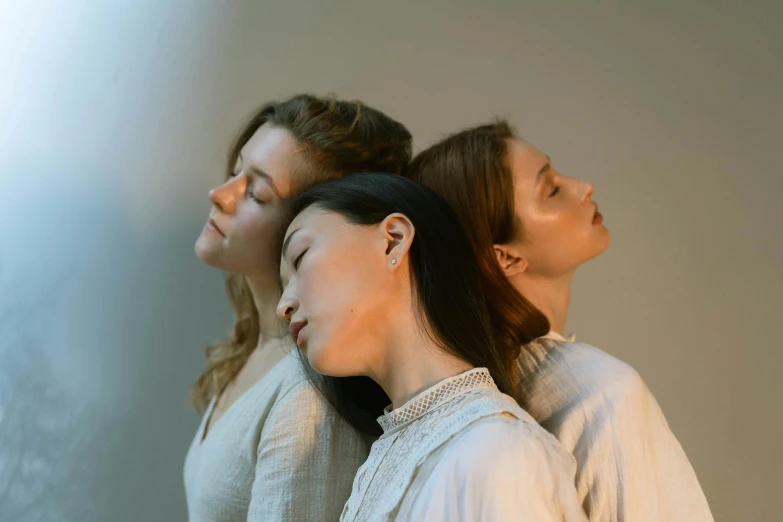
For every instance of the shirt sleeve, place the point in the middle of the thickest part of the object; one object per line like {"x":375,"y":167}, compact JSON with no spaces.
{"x":500,"y":470}
{"x":307,"y":459}
{"x":635,"y":469}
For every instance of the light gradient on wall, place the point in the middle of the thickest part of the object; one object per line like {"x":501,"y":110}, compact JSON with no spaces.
{"x":114,"y":121}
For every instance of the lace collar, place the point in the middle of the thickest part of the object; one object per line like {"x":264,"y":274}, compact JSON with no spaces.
{"x":435,"y":396}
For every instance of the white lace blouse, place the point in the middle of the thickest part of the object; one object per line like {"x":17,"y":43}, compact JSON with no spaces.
{"x":463,"y":451}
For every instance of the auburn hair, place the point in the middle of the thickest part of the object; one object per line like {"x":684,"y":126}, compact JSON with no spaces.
{"x":471,"y":171}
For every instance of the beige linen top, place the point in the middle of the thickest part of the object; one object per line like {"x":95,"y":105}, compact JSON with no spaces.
{"x":630,"y":466}
{"x":279,"y":453}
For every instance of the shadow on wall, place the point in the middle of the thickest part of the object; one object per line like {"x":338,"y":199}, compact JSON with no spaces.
{"x":101,"y":332}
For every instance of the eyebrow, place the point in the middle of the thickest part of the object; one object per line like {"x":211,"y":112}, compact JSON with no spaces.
{"x":261,"y":174}
{"x":543,"y":170}
{"x":287,"y":241}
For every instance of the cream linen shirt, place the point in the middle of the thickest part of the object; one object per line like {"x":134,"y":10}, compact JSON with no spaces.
{"x":630,"y":467}
{"x":279,"y":453}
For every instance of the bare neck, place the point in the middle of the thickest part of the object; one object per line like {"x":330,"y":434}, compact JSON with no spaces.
{"x":551,"y":295}
{"x":266,"y":295}
{"x":410,"y":362}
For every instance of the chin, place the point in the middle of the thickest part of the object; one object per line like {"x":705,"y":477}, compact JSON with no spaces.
{"x":604,"y":240}
{"x":216,"y":259}
{"x":206,"y":254}
{"x":600,"y":248}
{"x":202,"y":247}
{"x":320,"y":366}
{"x":596,"y":246}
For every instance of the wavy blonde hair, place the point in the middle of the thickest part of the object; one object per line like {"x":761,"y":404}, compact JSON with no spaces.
{"x":335,"y":138}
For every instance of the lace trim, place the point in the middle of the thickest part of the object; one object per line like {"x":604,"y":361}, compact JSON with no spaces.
{"x":434,"y":396}
{"x":384,"y":479}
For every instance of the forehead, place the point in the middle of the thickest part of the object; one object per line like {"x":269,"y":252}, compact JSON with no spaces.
{"x":312,"y":221}
{"x":311,"y":218}
{"x":272,"y":150}
{"x":525,"y":160}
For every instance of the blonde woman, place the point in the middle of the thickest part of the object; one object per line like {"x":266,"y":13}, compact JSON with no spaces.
{"x":268,"y":447}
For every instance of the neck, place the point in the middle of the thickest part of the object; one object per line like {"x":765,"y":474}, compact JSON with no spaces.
{"x":266,"y":295}
{"x":412,"y":362}
{"x":551,"y":295}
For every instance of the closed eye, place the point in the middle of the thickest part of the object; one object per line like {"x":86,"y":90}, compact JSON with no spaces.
{"x":250,"y":191}
{"x":298,"y":259}
{"x":555,"y":191}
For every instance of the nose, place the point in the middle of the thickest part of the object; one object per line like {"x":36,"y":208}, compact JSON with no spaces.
{"x":287,"y":306}
{"x":588,"y":188}
{"x":225,"y":196}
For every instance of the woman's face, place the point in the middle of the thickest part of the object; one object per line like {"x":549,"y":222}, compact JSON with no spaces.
{"x":243,"y":228}
{"x":560,"y":224}
{"x":339,"y":287}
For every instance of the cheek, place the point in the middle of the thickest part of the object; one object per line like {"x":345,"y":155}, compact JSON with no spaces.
{"x":257,"y":235}
{"x":556,"y":239}
{"x":546,"y":226}
{"x":336,"y":286}
{"x":560,"y":224}
{"x":340,"y":297}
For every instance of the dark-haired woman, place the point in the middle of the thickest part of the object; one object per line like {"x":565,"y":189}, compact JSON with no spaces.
{"x":382,"y":289}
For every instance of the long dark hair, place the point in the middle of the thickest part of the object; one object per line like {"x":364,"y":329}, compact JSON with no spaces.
{"x":335,"y":138}
{"x":471,"y":171}
{"x":448,"y":283}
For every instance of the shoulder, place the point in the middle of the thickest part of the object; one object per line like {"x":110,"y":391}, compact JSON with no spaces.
{"x":300,"y":412}
{"x":499,"y":464}
{"x":287,"y":381}
{"x":290,"y":372}
{"x":503,"y":446}
{"x":289,"y":394}
{"x":577,"y":389}
{"x":298,"y":397}
{"x":607,"y":404}
{"x":592,"y":370}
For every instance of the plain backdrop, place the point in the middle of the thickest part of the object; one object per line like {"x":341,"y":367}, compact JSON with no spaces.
{"x":115,"y":118}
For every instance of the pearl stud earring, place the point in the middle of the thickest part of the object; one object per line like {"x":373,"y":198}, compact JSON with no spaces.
{"x":394,"y":261}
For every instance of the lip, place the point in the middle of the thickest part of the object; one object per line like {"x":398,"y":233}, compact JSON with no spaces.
{"x":211,"y":225}
{"x":598,"y":218}
{"x":295,"y":329}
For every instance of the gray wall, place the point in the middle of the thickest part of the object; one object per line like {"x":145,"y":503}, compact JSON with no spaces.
{"x":114,"y":119}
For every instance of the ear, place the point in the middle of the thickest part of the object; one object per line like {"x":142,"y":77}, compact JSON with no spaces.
{"x":511,"y":261}
{"x":398,"y":233}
